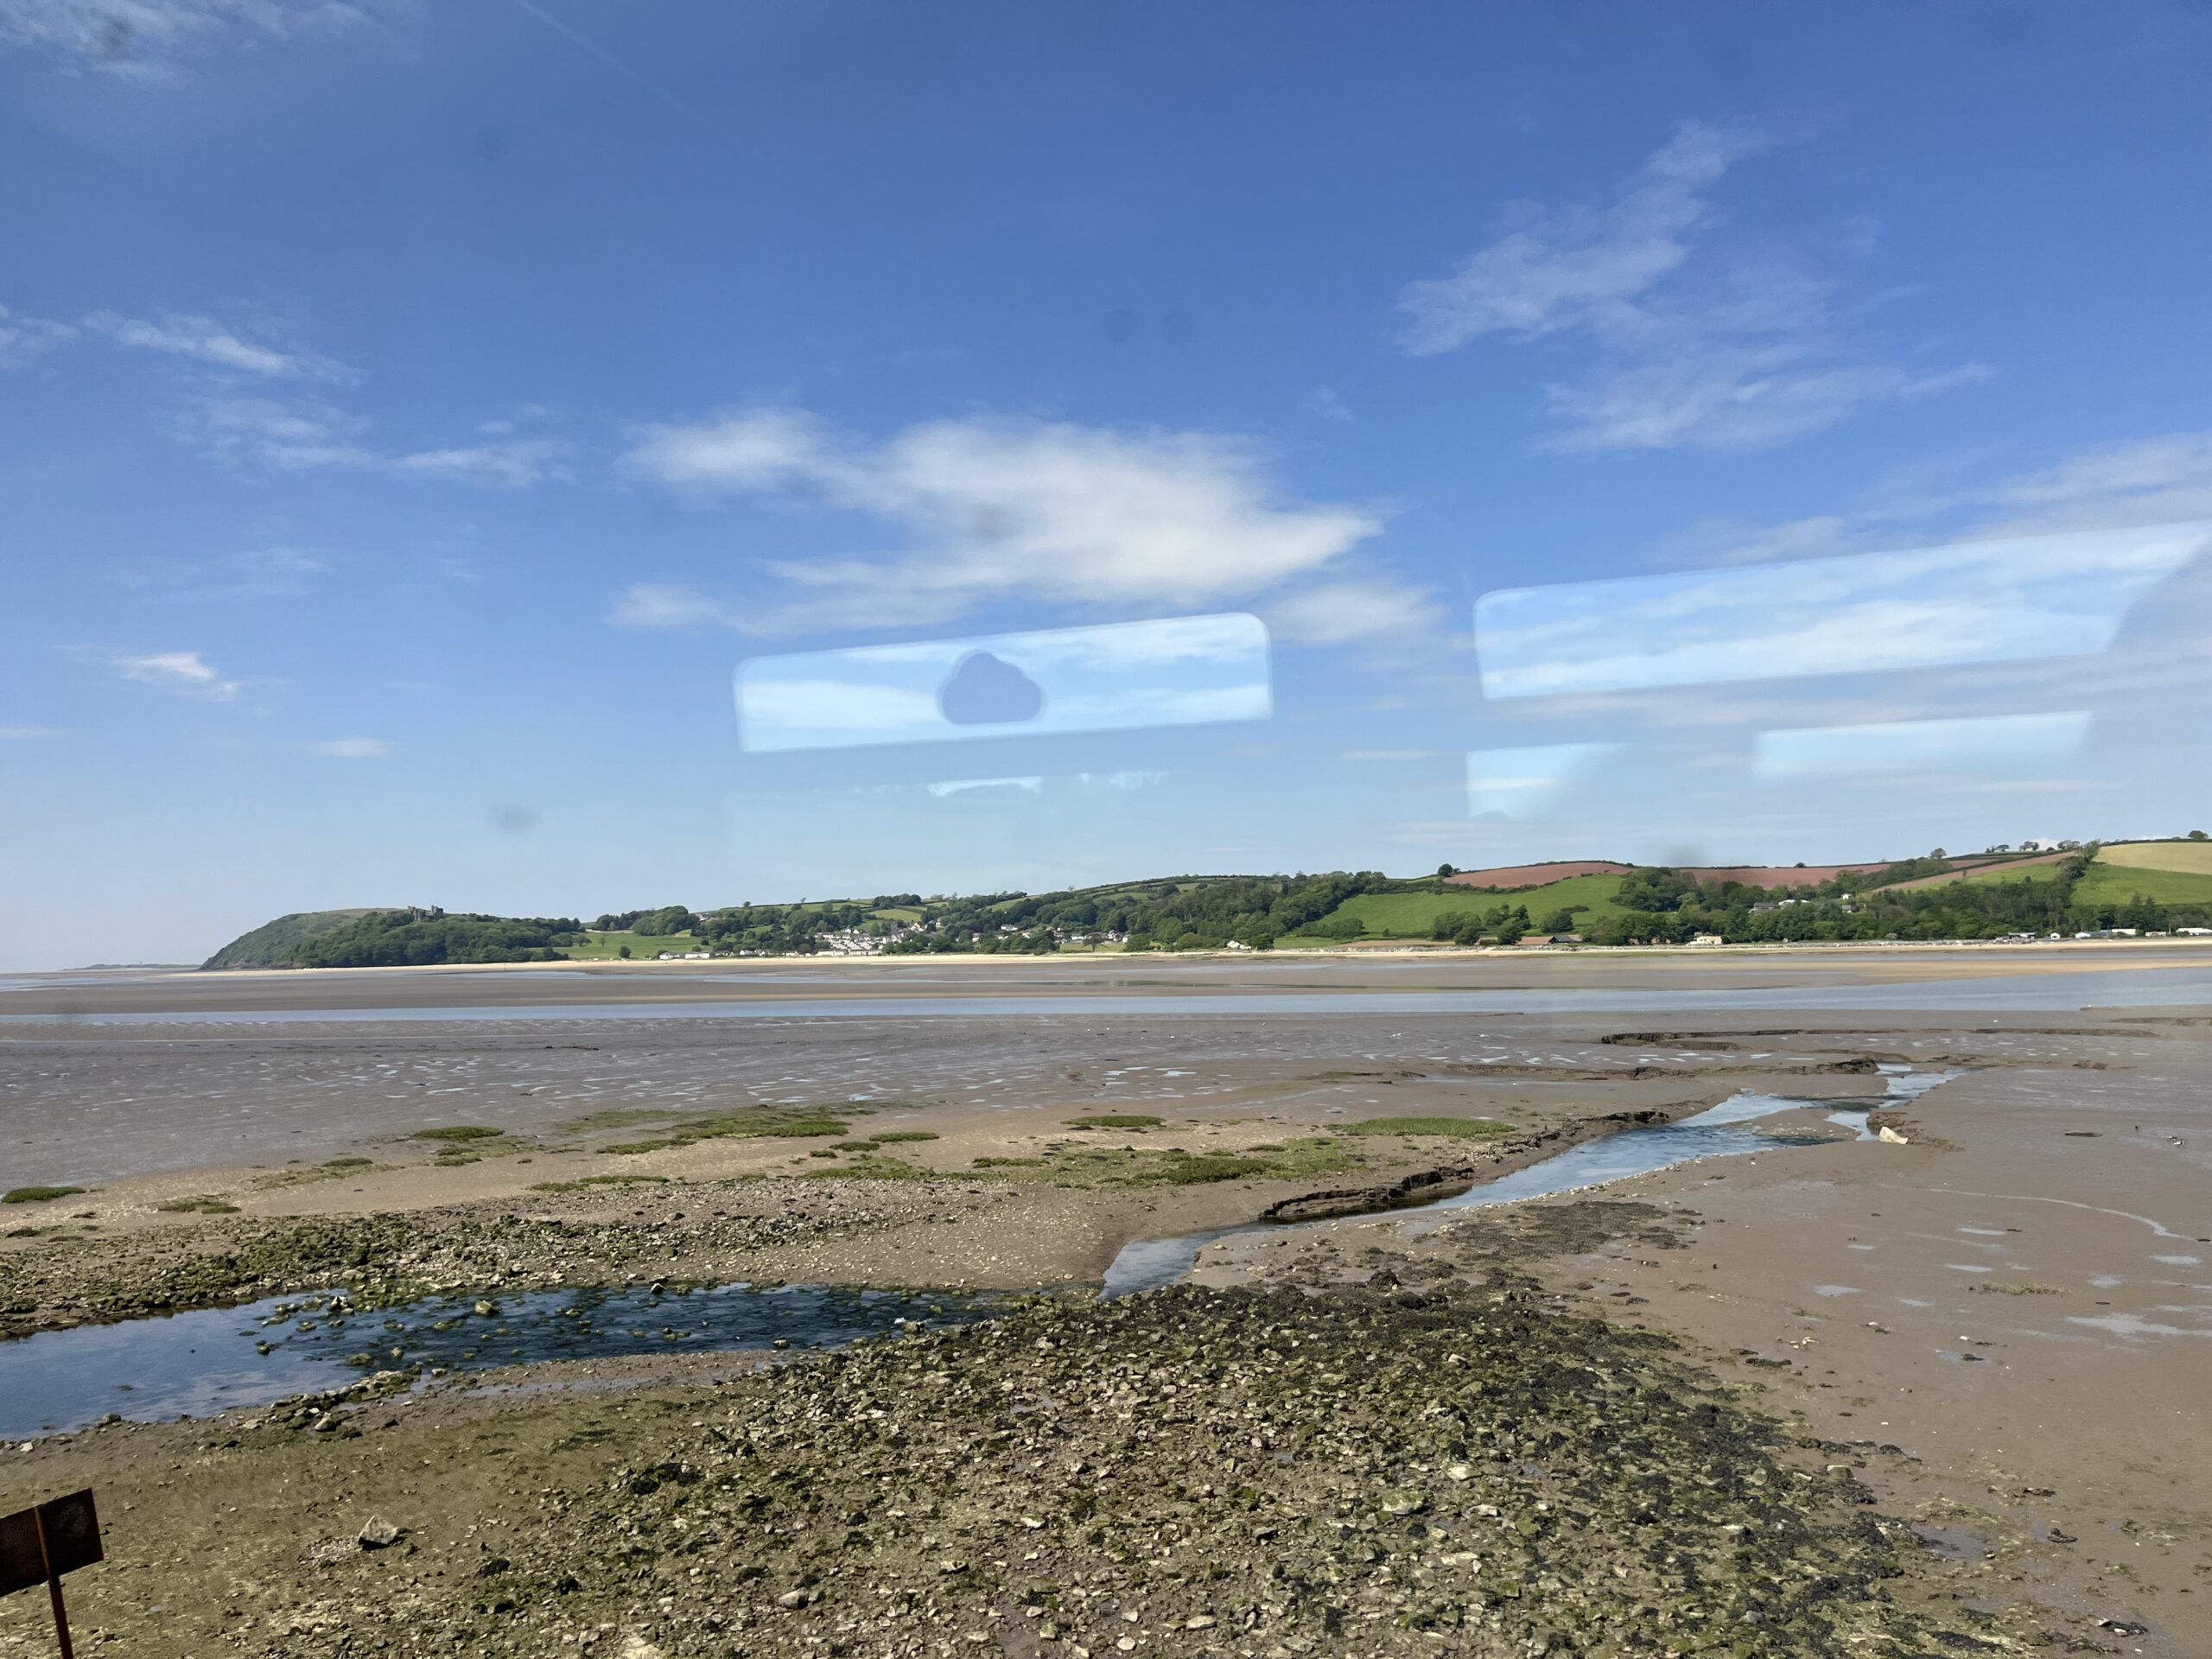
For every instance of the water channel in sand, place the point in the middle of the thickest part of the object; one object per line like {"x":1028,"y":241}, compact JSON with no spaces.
{"x":1718,"y":1132}
{"x":212,"y":1359}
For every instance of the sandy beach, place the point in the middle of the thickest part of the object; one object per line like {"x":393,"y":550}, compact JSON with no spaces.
{"x":1997,"y":1318}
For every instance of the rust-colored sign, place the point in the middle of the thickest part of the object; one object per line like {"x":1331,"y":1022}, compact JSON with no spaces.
{"x":38,"y":1545}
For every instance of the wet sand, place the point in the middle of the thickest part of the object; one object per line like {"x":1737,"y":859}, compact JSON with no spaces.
{"x":2017,"y":1301}
{"x":84,"y":1102}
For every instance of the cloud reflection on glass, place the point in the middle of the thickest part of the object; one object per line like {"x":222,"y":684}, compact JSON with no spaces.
{"x":1989,"y":601}
{"x":1523,"y":782}
{"x":1170,"y":671}
{"x":1999,"y":744}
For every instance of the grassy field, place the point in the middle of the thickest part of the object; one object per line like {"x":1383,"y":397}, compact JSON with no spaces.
{"x":1412,"y":915}
{"x":2182,"y":857}
{"x":2000,"y":873}
{"x":2170,"y":872}
{"x":605,"y":947}
{"x":2115,"y":884}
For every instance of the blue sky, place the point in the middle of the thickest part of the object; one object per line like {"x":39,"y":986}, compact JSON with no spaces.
{"x":412,"y":415}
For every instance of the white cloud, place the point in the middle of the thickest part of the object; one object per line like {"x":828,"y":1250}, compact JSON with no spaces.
{"x":205,"y":340}
{"x":995,"y":510}
{"x":23,"y":338}
{"x":27,"y":734}
{"x":147,"y":39}
{"x":295,"y":434}
{"x":1731,"y":354}
{"x":1335,"y":612}
{"x":1323,"y":402}
{"x":184,"y":673}
{"x":351,"y":748}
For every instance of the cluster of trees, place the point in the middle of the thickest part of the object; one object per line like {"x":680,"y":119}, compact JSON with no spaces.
{"x":1500,"y":924}
{"x":401,"y":938}
{"x":656,"y":924}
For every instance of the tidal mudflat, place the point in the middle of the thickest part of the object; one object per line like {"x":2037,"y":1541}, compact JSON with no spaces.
{"x":1883,"y":1346}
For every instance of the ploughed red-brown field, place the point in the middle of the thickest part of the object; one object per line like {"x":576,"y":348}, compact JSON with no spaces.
{"x":1534,"y":876}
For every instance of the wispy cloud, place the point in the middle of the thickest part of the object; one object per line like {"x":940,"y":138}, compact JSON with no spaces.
{"x":1737,"y":353}
{"x":257,"y":573}
{"x":205,"y":340}
{"x":294,"y":435}
{"x":1337,"y":613}
{"x":1711,"y":396}
{"x":24,"y":337}
{"x":996,"y":510}
{"x":1575,"y":267}
{"x":351,"y":748}
{"x":2148,"y":481}
{"x":182,"y":673}
{"x":150,"y":40}
{"x":1323,"y":402}
{"x":671,"y":605}
{"x":510,"y":461}
{"x":576,"y":37}
{"x":2163,"y":480}
{"x":28,"y":734}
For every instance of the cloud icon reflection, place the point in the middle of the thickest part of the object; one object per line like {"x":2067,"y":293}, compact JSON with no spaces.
{"x":987,"y":690}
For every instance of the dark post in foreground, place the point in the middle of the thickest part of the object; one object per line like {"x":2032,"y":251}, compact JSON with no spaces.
{"x":38,"y":1545}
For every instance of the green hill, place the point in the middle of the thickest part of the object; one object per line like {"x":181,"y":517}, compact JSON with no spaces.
{"x":1413,"y":915}
{"x":389,"y":938}
{"x":277,"y":944}
{"x":2150,"y":885}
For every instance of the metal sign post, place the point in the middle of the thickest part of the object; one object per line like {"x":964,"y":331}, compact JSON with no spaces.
{"x":38,"y":1545}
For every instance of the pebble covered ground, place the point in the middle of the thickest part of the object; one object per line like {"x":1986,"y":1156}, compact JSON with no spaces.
{"x":1456,"y":1467}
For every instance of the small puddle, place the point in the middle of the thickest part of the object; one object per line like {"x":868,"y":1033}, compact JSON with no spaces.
{"x":196,"y":1364}
{"x":1719,"y":1132}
